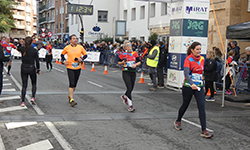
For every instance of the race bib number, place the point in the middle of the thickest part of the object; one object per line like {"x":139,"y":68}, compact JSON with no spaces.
{"x":75,"y":65}
{"x":197,"y":78}
{"x":129,"y":64}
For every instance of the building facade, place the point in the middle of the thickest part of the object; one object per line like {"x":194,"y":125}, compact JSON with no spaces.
{"x":25,"y":19}
{"x":50,"y":17}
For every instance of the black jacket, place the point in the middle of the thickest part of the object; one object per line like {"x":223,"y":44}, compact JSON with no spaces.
{"x":30,"y":56}
{"x":2,"y":57}
{"x":210,"y":67}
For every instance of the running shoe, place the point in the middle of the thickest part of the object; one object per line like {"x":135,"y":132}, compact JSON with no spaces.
{"x":72,"y":103}
{"x":124,"y":99}
{"x":150,"y":84}
{"x":8,"y":73}
{"x":47,"y":70}
{"x":152,"y":89}
{"x":206,"y":134}
{"x":32,"y":100}
{"x":229,"y":93}
{"x":210,"y":99}
{"x":160,"y":87}
{"x":177,"y":125}
{"x":22,"y":104}
{"x":131,"y":109}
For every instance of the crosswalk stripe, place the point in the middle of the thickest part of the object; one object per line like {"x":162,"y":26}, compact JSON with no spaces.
{"x":9,"y":98}
{"x":6,"y":84}
{"x":4,"y":76}
{"x":5,"y":79}
{"x":12,"y":108}
{"x":13,"y":125}
{"x":42,"y":145}
{"x":1,"y":143}
{"x":8,"y":90}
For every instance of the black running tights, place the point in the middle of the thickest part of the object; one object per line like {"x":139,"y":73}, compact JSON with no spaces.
{"x":129,"y":80}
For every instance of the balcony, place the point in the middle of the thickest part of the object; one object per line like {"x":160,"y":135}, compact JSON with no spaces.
{"x":28,"y":19}
{"x":67,"y":29}
{"x":43,"y":20}
{"x":19,"y":26}
{"x":28,"y":9}
{"x":42,"y":8}
{"x":34,"y":32}
{"x":19,"y":17}
{"x":51,"y":19}
{"x":34,"y":24}
{"x":51,"y":5}
{"x":19,"y":7}
{"x":28,"y":28}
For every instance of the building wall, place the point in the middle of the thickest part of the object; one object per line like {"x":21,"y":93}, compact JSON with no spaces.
{"x":90,"y":21}
{"x":228,"y":12}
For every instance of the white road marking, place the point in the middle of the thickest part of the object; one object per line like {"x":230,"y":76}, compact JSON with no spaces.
{"x":5,"y":79}
{"x":9,"y":98}
{"x":192,"y":123}
{"x":8,"y":90}
{"x":65,"y":145}
{"x":95,"y":84}
{"x":6,"y":84}
{"x":1,"y":143}
{"x":13,"y":108}
{"x":13,"y":125}
{"x":4,"y":76}
{"x":60,"y":70}
{"x":42,"y":145}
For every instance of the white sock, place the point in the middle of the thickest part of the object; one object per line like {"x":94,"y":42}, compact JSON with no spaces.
{"x":129,"y":102}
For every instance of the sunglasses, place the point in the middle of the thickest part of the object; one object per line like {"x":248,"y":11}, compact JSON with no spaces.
{"x":129,"y":45}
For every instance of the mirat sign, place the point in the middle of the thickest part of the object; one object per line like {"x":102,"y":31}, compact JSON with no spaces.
{"x":196,"y":9}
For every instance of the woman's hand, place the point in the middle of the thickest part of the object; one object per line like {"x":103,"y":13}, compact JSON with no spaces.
{"x":65,"y":63}
{"x":39,"y":72}
{"x":79,"y":59}
{"x":194,"y":87}
{"x":133,"y":66}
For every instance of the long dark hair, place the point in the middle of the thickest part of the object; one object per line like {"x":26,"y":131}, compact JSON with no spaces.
{"x":28,"y":41}
{"x":192,"y":46}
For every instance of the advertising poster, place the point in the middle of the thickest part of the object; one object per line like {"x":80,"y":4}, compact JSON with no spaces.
{"x":196,"y":10}
{"x":175,"y":44}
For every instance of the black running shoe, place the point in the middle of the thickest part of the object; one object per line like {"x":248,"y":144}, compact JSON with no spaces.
{"x":177,"y":125}
{"x":206,"y":134}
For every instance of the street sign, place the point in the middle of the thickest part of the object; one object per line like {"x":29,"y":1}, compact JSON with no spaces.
{"x":80,"y":9}
{"x":43,"y":35}
{"x":50,"y":34}
{"x":43,"y":29}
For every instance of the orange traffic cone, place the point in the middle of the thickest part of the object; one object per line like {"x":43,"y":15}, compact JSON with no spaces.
{"x":56,"y":60}
{"x":142,"y":78}
{"x":83,"y":66}
{"x":209,"y":92}
{"x":93,"y":67}
{"x":106,"y":70}
{"x":59,"y":63}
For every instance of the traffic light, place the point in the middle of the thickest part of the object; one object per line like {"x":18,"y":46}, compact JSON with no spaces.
{"x":81,"y":34}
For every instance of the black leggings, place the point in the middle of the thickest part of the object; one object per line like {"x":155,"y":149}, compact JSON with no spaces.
{"x":209,"y":85}
{"x":129,"y":80}
{"x":187,"y":94}
{"x":228,"y":82}
{"x":26,"y":71}
{"x":73,"y":76}
{"x":48,"y":59}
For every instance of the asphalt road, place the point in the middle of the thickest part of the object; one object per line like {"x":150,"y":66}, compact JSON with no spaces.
{"x":101,"y":121}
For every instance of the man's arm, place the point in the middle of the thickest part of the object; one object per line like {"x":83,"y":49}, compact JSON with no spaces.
{"x":153,"y":55}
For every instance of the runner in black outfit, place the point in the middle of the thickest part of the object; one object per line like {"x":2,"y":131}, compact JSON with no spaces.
{"x":29,"y":56}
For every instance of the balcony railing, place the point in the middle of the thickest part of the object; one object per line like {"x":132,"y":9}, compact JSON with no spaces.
{"x":19,"y":17}
{"x":42,"y":7}
{"x":42,"y":20}
{"x":51,"y":19}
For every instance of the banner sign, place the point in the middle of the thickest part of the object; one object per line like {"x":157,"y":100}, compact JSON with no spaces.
{"x":192,"y":27}
{"x":176,"y":27}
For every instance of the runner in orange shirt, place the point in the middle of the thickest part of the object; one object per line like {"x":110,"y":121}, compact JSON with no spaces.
{"x":75,"y":56}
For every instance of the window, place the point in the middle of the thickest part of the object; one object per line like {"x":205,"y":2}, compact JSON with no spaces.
{"x":56,"y":11}
{"x":28,"y":33}
{"x":164,"y":9}
{"x":102,"y":16}
{"x":18,"y":22}
{"x":28,"y":23}
{"x":28,"y":14}
{"x":27,"y":5}
{"x":152,"y":10}
{"x":18,"y":13}
{"x":18,"y":32}
{"x":125,"y":14}
{"x":72,"y":19}
{"x":133,"y":14}
{"x":142,"y":14}
{"x":43,"y":15}
{"x":142,"y":38}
